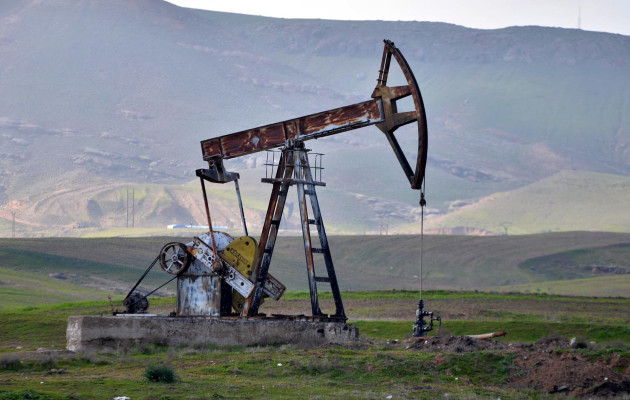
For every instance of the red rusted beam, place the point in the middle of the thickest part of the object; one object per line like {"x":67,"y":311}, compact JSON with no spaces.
{"x":308,"y":127}
{"x":381,"y":111}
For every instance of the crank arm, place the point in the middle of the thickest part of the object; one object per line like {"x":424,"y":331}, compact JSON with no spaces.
{"x":273,"y":287}
{"x":202,"y":252}
{"x":238,"y":281}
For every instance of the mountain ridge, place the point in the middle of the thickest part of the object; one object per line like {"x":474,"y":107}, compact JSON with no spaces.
{"x":120,"y":93}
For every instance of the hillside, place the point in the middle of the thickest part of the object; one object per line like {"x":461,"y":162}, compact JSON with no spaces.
{"x":574,"y":263}
{"x":103,"y":95}
{"x":566,"y":201}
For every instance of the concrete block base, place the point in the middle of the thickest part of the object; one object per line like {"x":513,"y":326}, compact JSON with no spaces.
{"x":100,"y":333}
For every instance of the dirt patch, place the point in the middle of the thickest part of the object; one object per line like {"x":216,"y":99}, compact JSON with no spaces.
{"x":456,"y":344}
{"x":551,"y":365}
{"x":556,"y":372}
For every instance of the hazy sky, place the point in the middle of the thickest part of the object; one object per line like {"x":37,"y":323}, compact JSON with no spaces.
{"x":596,"y":15}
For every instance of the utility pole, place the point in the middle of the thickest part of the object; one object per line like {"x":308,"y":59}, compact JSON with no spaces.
{"x":13,"y":212}
{"x":133,"y":207}
{"x":384,"y":221}
{"x":505,"y":226}
{"x":363,"y":222}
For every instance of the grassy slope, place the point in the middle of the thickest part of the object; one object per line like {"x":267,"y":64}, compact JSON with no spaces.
{"x":526,"y":263}
{"x":600,"y":286}
{"x":566,"y":201}
{"x":84,"y":211}
{"x":569,"y":200}
{"x":101,"y":266}
{"x":19,"y":288}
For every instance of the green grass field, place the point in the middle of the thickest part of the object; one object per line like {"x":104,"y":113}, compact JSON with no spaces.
{"x":532,"y":287}
{"x":380,"y":315}
{"x":379,"y":365}
{"x":20,"y":289}
{"x":570,"y":263}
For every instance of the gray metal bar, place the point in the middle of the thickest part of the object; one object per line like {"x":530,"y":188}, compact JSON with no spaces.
{"x":205,"y":200}
{"x":306,"y":236}
{"x":240,"y":206}
{"x":321,"y":232}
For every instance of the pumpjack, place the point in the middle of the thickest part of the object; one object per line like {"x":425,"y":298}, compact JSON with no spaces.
{"x":219,"y":275}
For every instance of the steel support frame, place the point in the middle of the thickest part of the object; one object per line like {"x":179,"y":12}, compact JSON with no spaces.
{"x":294,"y":169}
{"x":269,"y":233}
{"x":317,"y":220}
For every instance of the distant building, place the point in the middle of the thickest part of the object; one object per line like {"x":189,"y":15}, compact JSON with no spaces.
{"x":204,"y":227}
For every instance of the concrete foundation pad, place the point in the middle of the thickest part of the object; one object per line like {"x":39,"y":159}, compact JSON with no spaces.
{"x":90,"y":332}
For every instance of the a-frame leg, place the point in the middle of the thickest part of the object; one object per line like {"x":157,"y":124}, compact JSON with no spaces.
{"x":270,"y":231}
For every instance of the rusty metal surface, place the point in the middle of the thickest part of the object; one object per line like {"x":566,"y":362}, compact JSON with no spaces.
{"x":268,"y":235}
{"x":294,"y":169}
{"x":238,"y":281}
{"x":395,"y":119}
{"x":308,"y":251}
{"x":198,"y":291}
{"x":302,"y":166}
{"x":318,"y":221}
{"x":382,"y":111}
{"x":205,"y":201}
{"x":199,"y":295}
{"x":216,"y":173}
{"x":273,"y":287}
{"x":308,"y":127}
{"x":240,"y":207}
{"x":174,"y":258}
{"x":205,"y":254}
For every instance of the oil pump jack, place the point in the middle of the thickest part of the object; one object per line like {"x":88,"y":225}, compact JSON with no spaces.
{"x":220,"y":275}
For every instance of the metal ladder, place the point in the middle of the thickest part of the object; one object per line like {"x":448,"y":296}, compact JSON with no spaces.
{"x":306,"y":187}
{"x":294,"y":169}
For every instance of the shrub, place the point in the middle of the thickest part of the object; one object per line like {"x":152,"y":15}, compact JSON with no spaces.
{"x":22,"y":395}
{"x":9,"y":362}
{"x":160,"y":373}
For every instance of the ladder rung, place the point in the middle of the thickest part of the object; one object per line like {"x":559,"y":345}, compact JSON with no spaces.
{"x":317,"y":250}
{"x":275,"y":222}
{"x":269,"y":250}
{"x":322,"y":279}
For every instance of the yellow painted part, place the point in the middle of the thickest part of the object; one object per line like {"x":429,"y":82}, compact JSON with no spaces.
{"x":241,"y":254}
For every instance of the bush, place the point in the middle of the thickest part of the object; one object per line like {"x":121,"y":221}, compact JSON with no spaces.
{"x":9,"y":362}
{"x":160,"y":373}
{"x":23,"y":395}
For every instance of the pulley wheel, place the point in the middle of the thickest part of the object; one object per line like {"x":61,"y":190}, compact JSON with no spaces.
{"x":174,"y":258}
